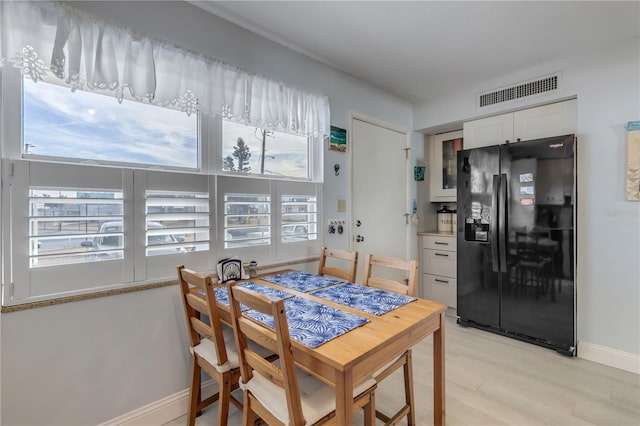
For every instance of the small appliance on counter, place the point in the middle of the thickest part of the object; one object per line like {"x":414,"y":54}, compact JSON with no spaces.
{"x":444,"y":219}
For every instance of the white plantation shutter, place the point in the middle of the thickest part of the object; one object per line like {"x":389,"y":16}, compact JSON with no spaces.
{"x":174,"y":225}
{"x":299,"y":218}
{"x":67,"y":226}
{"x":55,"y":209}
{"x":247,"y":220}
{"x":176,"y":222}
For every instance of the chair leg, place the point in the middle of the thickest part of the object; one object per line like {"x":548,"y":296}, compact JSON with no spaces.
{"x":248,"y":417}
{"x":194,"y":391}
{"x":408,"y":410}
{"x":408,"y":389}
{"x":370,"y":410}
{"x":223,"y":401}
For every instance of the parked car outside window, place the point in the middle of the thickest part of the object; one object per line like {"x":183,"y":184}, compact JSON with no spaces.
{"x":108,"y":247}
{"x":294,"y":233}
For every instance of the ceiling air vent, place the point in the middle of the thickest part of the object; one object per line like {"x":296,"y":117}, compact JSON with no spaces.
{"x":518,"y":91}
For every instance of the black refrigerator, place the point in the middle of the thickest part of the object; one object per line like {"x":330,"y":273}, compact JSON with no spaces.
{"x":516,"y":240}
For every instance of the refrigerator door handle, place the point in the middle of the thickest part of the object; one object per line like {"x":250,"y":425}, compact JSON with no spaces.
{"x":502,"y":223}
{"x":495,"y":265}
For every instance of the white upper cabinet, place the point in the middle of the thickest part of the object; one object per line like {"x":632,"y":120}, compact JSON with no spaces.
{"x":534,"y":123}
{"x":443,"y":165}
{"x":488,"y":131}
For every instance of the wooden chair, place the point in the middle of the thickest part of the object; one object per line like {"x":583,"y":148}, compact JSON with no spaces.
{"x":404,"y":360}
{"x":212,"y":348}
{"x":409,"y":266}
{"x":280,"y":393}
{"x":345,"y":274}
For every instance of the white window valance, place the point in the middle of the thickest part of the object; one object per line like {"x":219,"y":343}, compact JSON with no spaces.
{"x":85,"y":52}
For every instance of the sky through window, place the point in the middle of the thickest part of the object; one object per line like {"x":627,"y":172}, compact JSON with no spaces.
{"x":92,"y":126}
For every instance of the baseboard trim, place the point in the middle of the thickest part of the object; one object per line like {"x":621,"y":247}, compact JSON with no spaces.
{"x":162,"y":411}
{"x":608,"y":356}
{"x":451,"y":312}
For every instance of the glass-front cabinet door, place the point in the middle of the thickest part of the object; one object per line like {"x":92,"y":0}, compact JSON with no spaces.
{"x":443,"y":167}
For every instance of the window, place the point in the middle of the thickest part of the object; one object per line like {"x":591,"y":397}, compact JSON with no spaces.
{"x":253,"y":228}
{"x":299,"y":218}
{"x":74,"y":226}
{"x":58,"y":123}
{"x":247,"y":220}
{"x":100,"y":215}
{"x":177,"y":222}
{"x":251,"y":150}
{"x":85,"y":167}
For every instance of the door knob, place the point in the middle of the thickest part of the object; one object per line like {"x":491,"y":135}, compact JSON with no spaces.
{"x":359,"y":238}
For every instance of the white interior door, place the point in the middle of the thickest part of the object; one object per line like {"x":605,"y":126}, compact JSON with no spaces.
{"x":379,"y":191}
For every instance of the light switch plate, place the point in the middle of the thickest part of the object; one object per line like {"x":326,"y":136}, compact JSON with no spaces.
{"x":341,"y":205}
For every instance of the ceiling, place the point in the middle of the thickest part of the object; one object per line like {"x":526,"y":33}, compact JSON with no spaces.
{"x":425,"y":49}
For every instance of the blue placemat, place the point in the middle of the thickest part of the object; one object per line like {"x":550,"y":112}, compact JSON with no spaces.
{"x":302,"y":281}
{"x":366,"y":299}
{"x":312,"y":323}
{"x":222,"y":294}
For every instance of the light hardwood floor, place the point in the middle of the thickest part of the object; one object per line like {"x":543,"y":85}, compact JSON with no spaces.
{"x":494,"y":380}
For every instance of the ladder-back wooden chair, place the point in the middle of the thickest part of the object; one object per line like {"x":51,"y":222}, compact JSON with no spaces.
{"x":212,"y":348}
{"x":347,"y":274}
{"x":280,"y":393}
{"x":404,"y":360}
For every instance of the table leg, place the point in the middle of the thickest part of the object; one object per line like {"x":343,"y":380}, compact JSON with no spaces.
{"x":344,"y":398}
{"x":438,"y":375}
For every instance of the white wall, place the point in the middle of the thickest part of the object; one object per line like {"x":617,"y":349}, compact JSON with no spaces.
{"x":91,"y":361}
{"x":607,"y":86}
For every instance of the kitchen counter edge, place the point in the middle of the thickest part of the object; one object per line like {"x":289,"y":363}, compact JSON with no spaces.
{"x":437,"y":234}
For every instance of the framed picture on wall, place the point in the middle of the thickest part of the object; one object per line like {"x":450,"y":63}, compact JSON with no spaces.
{"x":338,"y":139}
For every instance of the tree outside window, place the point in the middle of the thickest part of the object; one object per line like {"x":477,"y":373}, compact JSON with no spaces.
{"x":239,"y":160}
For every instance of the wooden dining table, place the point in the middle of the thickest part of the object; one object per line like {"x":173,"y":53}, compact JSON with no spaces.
{"x":347,"y":360}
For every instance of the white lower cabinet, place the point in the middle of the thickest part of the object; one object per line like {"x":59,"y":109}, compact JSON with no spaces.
{"x":441,"y":289}
{"x":439,"y":268}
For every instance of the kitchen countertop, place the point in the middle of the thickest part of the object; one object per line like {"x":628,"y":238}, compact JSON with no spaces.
{"x":437,"y":234}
